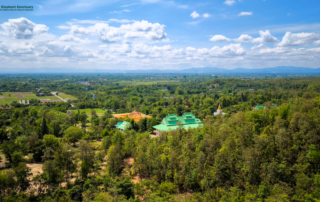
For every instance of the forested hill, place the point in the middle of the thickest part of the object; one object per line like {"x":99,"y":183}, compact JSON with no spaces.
{"x":72,"y":151}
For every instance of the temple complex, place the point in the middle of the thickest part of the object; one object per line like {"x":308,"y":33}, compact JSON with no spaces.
{"x":219,"y":111}
{"x":173,"y":122}
{"x":133,"y":115}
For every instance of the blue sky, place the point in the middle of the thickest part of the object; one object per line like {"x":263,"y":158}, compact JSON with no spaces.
{"x":147,"y":34}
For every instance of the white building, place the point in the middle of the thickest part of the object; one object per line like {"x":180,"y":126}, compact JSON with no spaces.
{"x":219,"y":111}
{"x":24,"y":102}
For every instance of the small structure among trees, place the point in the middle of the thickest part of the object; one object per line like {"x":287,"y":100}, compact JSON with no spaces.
{"x":219,"y":111}
{"x":24,"y":102}
{"x":122,"y":126}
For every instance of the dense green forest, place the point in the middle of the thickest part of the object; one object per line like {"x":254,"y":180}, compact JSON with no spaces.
{"x":71,"y":151}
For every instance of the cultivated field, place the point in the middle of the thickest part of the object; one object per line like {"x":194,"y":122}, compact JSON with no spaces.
{"x":9,"y":97}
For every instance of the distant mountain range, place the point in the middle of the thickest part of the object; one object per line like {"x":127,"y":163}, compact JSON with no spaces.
{"x":205,"y":70}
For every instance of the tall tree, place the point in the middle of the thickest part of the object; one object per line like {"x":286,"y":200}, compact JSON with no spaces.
{"x":44,"y":128}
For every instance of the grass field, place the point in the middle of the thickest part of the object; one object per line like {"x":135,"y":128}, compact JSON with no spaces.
{"x":66,"y":96}
{"x":9,"y":97}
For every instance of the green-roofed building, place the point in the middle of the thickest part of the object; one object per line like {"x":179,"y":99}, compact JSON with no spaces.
{"x":259,"y":107}
{"x":263,"y":107}
{"x":171,"y":122}
{"x":122,"y":126}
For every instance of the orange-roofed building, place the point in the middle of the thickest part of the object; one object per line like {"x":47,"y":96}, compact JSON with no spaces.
{"x":133,"y":115}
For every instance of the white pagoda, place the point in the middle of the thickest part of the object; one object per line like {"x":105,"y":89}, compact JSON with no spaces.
{"x":219,"y":111}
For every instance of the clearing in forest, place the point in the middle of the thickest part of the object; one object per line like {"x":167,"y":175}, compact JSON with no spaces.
{"x":9,"y":97}
{"x":3,"y":160}
{"x":35,"y":169}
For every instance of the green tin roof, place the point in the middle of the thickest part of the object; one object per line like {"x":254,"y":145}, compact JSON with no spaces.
{"x":170,"y":122}
{"x":259,"y":107}
{"x":123,"y":125}
{"x":263,"y":107}
{"x":118,"y":124}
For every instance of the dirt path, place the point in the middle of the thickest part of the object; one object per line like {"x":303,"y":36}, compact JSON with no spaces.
{"x":62,"y":99}
{"x":129,"y":162}
{"x":3,"y":161}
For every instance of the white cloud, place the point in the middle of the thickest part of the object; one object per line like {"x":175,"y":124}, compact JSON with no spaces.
{"x":127,"y":5}
{"x":22,"y":28}
{"x":265,"y":37}
{"x":245,"y":13}
{"x":71,"y":38}
{"x":227,"y":51}
{"x":219,"y":38}
{"x":190,"y":49}
{"x":315,"y":27}
{"x":79,"y":30}
{"x":121,"y":21}
{"x":194,"y":14}
{"x":206,"y":15}
{"x":137,"y":30}
{"x":230,"y":2}
{"x":107,"y":34}
{"x":260,"y":46}
{"x":115,"y":12}
{"x":103,"y":46}
{"x":21,"y":49}
{"x":317,"y":43}
{"x":298,"y":39}
{"x":118,"y":12}
{"x":131,"y":46}
{"x":144,"y":29}
{"x":194,"y":22}
{"x":122,"y":49}
{"x":244,"y":38}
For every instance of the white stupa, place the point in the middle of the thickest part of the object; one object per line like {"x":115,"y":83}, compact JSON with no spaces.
{"x":219,"y":111}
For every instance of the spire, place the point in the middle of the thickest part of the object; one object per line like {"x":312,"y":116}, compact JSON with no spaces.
{"x":219,"y":108}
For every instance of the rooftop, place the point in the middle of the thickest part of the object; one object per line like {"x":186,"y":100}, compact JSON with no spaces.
{"x":123,"y":125}
{"x":172,"y":122}
{"x":133,"y":115}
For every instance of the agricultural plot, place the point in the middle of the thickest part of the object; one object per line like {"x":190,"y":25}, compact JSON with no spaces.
{"x":9,"y":97}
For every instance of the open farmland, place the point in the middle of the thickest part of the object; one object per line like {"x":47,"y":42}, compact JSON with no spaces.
{"x":66,"y":96}
{"x":9,"y":97}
